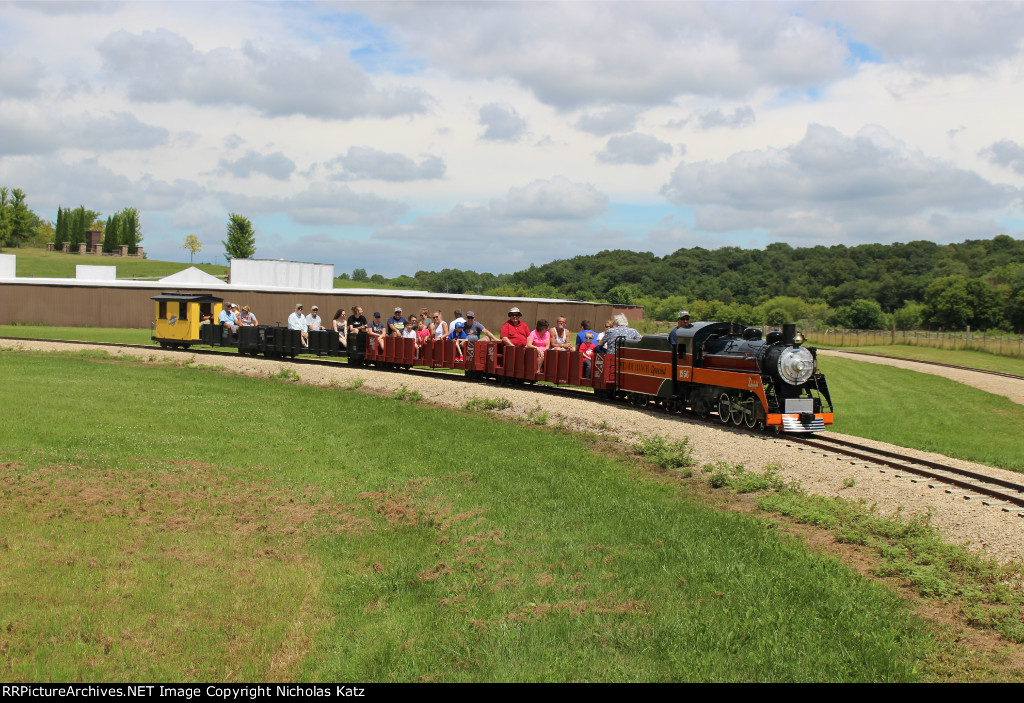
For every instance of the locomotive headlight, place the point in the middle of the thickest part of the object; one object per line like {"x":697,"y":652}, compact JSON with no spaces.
{"x":796,"y":365}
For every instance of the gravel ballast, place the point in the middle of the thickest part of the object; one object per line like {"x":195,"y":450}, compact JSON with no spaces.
{"x":999,"y":533}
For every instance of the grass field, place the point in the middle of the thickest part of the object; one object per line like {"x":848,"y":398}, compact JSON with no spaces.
{"x":110,"y":335}
{"x":968,"y":358}
{"x":925,"y":412}
{"x":39,"y":263}
{"x":176,"y":524}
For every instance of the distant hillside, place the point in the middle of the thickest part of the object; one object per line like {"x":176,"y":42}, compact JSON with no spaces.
{"x":977,"y":282}
{"x":39,"y":263}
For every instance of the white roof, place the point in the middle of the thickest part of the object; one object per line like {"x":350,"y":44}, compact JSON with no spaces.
{"x":191,"y":275}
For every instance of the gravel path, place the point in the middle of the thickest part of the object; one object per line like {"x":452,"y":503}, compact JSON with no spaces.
{"x":998,"y":533}
{"x":1011,"y":388}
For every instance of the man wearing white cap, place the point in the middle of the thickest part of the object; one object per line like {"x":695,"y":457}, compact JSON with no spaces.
{"x":683,"y":321}
{"x":313,"y":320}
{"x":515,"y":331}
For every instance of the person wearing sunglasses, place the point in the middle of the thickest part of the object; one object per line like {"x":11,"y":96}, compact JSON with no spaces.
{"x":515,"y":332}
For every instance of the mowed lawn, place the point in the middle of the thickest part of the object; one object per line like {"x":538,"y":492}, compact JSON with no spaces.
{"x":166,"y":523}
{"x":924,"y":411}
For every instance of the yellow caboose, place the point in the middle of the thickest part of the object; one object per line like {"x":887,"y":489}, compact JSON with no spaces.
{"x":180,"y":315}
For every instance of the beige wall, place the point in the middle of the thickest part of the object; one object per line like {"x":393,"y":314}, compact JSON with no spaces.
{"x":99,"y":306}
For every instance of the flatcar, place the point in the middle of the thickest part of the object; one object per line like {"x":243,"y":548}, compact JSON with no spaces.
{"x":715,"y":367}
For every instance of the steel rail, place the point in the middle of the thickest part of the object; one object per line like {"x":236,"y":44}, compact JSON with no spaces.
{"x":961,"y":478}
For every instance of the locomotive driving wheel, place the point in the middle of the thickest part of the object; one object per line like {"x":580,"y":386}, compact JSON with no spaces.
{"x":724,"y":408}
{"x":738,"y":410}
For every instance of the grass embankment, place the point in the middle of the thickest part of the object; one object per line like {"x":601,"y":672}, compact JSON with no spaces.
{"x":109,"y":335}
{"x":926,"y":412}
{"x":39,"y":263}
{"x":968,"y":358}
{"x":175,"y":524}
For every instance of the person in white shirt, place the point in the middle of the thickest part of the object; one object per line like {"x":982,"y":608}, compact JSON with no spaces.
{"x":313,"y":320}
{"x":297,"y":321}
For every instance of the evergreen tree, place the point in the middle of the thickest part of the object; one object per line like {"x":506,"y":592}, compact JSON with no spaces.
{"x":111,"y":241}
{"x":78,"y":225}
{"x":129,"y":232}
{"x":60,"y":231}
{"x":5,"y":220}
{"x":20,"y":219}
{"x":241,"y":241}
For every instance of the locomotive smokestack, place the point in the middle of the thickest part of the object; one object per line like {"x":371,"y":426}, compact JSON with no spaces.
{"x":788,"y":333}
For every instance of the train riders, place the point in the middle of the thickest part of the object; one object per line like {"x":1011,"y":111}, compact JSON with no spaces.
{"x":313,"y":320}
{"x":683,"y":321}
{"x":515,"y":331}
{"x":378,"y":330}
{"x":397,"y":323}
{"x":228,"y":318}
{"x":540,"y":339}
{"x":297,"y":321}
{"x":560,"y":336}
{"x":581,"y":336}
{"x":621,"y":330}
{"x":475,"y":330}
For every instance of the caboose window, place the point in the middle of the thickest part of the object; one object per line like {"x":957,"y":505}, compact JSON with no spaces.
{"x":163,"y":310}
{"x":183,"y":310}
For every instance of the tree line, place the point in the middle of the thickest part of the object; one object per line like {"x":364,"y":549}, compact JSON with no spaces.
{"x":870,"y":286}
{"x":19,"y":226}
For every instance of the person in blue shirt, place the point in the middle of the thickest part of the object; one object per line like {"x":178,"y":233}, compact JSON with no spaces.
{"x":582,"y":336}
{"x":683,"y":321}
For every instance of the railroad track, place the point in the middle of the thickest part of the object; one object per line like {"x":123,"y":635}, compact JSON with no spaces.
{"x":931,"y":363}
{"x":989,"y":490}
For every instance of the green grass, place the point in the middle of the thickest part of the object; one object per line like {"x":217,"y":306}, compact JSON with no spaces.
{"x":80,"y":334}
{"x":971,"y":359}
{"x":39,"y":263}
{"x":924,"y":412}
{"x":230,"y":528}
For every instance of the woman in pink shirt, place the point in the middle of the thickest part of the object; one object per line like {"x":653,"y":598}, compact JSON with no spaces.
{"x":540,"y":339}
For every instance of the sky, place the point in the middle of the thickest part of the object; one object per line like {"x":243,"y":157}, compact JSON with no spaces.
{"x":398,"y":137}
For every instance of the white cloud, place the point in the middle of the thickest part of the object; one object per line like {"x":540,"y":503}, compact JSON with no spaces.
{"x":740,"y":117}
{"x":503,"y":123}
{"x":160,"y":65}
{"x":573,"y":55}
{"x":24,"y":130}
{"x":557,"y":199}
{"x":366,"y":163}
{"x":609,"y":121}
{"x":321,"y":204}
{"x":1006,"y":152}
{"x":833,"y":187}
{"x":641,"y":149}
{"x":20,"y":77}
{"x":275,"y":165}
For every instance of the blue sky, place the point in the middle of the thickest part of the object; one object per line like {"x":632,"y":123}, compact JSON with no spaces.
{"x":404,"y":136}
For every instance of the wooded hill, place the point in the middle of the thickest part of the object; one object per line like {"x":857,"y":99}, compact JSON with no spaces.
{"x":976,"y":282}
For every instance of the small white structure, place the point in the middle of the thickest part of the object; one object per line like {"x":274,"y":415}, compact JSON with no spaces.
{"x":295,"y":275}
{"x":191,"y":276}
{"x":95,"y":273}
{"x":8,"y":265}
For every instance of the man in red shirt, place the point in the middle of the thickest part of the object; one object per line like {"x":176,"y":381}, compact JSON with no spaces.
{"x":515,"y":331}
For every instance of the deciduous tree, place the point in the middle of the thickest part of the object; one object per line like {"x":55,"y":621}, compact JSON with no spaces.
{"x":241,"y":241}
{"x":193,"y":245}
